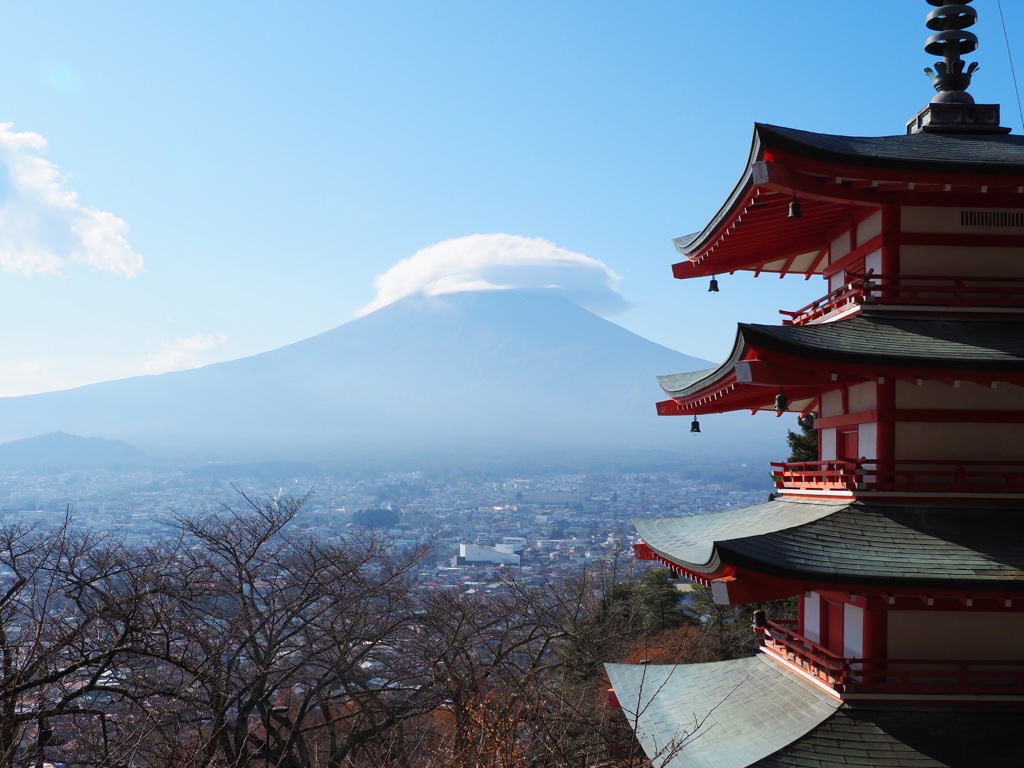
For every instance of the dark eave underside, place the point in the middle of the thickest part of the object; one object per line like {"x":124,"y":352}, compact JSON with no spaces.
{"x":860,"y":543}
{"x":757,"y":212}
{"x":873,"y":340}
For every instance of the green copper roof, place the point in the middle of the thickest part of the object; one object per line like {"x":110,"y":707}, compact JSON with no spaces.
{"x":725,"y":714}
{"x":859,"y":542}
{"x":887,"y":340}
{"x":753,"y":712}
{"x":690,"y":541}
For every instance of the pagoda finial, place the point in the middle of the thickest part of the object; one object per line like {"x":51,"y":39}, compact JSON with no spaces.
{"x":952,"y":75}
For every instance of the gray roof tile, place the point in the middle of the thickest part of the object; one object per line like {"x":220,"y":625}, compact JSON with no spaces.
{"x":862,"y":542}
{"x":725,"y":714}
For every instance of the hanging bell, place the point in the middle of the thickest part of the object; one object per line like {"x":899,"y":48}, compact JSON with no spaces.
{"x":713,"y":288}
{"x":781,"y":402}
{"x":695,"y":426}
{"x":794,"y":209}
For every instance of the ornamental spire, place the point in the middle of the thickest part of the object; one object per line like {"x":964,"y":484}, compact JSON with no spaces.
{"x":952,"y":75}
{"x":953,"y":110}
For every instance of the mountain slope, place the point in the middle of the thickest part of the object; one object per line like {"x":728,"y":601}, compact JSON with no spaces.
{"x":470,"y":371}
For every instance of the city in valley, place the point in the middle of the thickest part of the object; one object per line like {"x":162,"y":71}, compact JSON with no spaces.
{"x":474,"y":523}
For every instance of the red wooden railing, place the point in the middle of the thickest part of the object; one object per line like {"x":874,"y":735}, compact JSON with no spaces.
{"x":894,"y":676}
{"x":914,"y":290}
{"x":845,"y":296}
{"x":812,"y":658}
{"x":873,"y":475}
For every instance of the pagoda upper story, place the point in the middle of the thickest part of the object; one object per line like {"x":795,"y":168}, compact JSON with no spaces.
{"x":913,"y":360}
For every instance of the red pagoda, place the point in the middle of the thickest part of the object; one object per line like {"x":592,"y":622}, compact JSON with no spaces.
{"x":904,"y":540}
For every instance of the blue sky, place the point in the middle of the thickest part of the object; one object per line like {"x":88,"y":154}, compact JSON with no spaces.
{"x":191,"y":182}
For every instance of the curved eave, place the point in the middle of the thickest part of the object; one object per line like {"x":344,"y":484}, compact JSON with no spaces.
{"x":691,"y":543}
{"x":729,"y":714}
{"x":862,"y":544}
{"x":804,"y":360}
{"x":879,"y":342}
{"x":834,"y":178}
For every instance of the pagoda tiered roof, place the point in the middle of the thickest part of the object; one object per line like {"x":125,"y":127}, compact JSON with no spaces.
{"x":837,"y":178}
{"x":754,"y":712}
{"x":804,"y":358}
{"x":724,"y":714}
{"x":862,"y":543}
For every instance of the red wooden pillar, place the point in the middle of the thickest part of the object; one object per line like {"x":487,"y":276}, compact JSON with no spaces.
{"x":876,"y":638}
{"x":891,"y":223}
{"x":885,"y":450}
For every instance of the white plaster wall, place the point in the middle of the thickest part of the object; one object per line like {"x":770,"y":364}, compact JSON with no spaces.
{"x":832,"y":403}
{"x":839,"y":248}
{"x":949,"y":260}
{"x":870,"y":227}
{"x":853,"y":631}
{"x":968,"y":396}
{"x":862,"y":397}
{"x":946,"y":220}
{"x":873,"y":262}
{"x":984,"y":442}
{"x":955,"y":635}
{"x":867,"y":440}
{"x":827,"y":444}
{"x":812,"y":617}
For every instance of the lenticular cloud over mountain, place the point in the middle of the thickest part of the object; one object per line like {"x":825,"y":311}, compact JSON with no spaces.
{"x":500,"y":262}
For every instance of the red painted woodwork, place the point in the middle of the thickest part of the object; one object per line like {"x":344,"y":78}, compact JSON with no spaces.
{"x":754,"y":233}
{"x":868,"y":677}
{"x":883,"y":290}
{"x":933,"y":476}
{"x":847,"y":446}
{"x":832,"y":632}
{"x":642,"y":552}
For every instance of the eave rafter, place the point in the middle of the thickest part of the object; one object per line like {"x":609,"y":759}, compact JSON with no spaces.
{"x":753,"y":382}
{"x":830,"y":196}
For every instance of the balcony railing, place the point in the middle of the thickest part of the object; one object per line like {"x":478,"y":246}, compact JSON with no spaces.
{"x":916,"y":291}
{"x":901,"y":475}
{"x":918,"y":677}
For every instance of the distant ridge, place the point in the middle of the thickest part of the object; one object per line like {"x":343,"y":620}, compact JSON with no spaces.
{"x":467,"y":374}
{"x":61,"y":450}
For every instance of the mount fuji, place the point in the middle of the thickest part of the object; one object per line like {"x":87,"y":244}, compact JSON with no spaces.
{"x":467,"y":374}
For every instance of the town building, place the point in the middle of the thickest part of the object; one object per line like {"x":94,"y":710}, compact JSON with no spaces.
{"x":904,"y":540}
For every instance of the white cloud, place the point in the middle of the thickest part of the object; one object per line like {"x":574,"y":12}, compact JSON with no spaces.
{"x":184,"y":353}
{"x":26,"y":377}
{"x":500,"y":262}
{"x":43,"y":226}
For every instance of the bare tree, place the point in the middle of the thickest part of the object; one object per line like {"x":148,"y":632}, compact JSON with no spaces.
{"x":279,"y":646}
{"x":69,"y":615}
